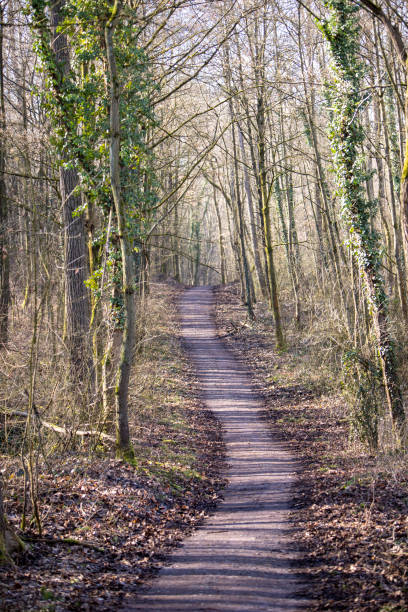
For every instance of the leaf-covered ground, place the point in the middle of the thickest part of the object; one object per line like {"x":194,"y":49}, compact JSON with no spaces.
{"x":350,"y":509}
{"x":124,"y":520}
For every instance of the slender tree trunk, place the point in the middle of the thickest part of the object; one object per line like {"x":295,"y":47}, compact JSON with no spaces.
{"x":4,"y":241}
{"x":265,"y":208}
{"x":381,"y":119}
{"x":398,"y":245}
{"x":241,"y":231}
{"x":291,"y":238}
{"x":220,"y":237}
{"x":238,"y":201}
{"x":176,"y":256}
{"x":195,"y":232}
{"x":331,"y":229}
{"x":342,"y":34}
{"x":335,"y":249}
{"x":259,"y":252}
{"x":384,"y":222}
{"x":402,"y":53}
{"x":124,"y":447}
{"x":307,"y":198}
{"x":233,"y":241}
{"x":288,"y":241}
{"x":254,"y":234}
{"x":404,"y":178}
{"x":318,"y":218}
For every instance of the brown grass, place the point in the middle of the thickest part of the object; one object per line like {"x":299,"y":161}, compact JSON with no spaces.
{"x":130,"y":515}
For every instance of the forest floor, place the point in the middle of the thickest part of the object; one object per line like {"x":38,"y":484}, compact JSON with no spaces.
{"x":124,"y":519}
{"x":350,"y":509}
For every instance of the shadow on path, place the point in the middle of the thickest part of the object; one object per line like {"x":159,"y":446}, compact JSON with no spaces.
{"x":241,"y":559}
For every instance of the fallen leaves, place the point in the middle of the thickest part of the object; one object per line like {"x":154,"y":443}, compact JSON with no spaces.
{"x":350,"y":511}
{"x":128,"y":519}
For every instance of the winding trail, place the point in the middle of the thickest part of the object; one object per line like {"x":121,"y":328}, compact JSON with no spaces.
{"x":240,"y":559}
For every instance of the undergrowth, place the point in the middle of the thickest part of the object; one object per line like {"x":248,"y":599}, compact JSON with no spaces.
{"x":350,"y":504}
{"x":106,"y":524}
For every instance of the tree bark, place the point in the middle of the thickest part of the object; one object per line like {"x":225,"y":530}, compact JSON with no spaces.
{"x":236,"y":189}
{"x":342,"y":34}
{"x":381,"y":119}
{"x":254,"y":235}
{"x":4,"y":242}
{"x":77,"y":301}
{"x":124,"y":447}
{"x":176,"y":255}
{"x":290,"y":233}
{"x":265,"y":209}
{"x":402,"y":52}
{"x":220,"y":237}
{"x":10,"y":543}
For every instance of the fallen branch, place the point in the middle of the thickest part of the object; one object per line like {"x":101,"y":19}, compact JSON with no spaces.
{"x":63,"y":430}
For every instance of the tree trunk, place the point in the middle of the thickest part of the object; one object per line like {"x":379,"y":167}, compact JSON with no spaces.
{"x":398,"y":246}
{"x":381,"y":119}
{"x":257,"y":259}
{"x":4,"y":242}
{"x":291,"y":239}
{"x":124,"y":447}
{"x":176,"y":255}
{"x":77,"y":301}
{"x":402,"y":53}
{"x":265,"y":209}
{"x":342,"y":34}
{"x":220,"y":237}
{"x":10,"y":543}
{"x":237,"y":199}
{"x":195,"y":232}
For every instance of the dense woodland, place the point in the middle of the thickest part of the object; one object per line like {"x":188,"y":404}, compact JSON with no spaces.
{"x":197,"y":143}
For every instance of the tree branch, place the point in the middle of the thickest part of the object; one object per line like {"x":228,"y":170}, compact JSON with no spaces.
{"x":393,"y":30}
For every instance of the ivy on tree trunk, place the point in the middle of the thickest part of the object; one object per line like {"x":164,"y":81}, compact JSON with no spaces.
{"x":128,"y":277}
{"x":341,"y":31}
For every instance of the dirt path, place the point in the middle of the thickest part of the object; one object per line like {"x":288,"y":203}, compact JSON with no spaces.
{"x":239,"y":560}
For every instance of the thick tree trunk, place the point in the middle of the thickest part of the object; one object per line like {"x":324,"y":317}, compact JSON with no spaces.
{"x":76,"y":272}
{"x":77,"y":301}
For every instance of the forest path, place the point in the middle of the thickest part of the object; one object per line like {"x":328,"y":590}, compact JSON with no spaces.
{"x":240,"y":559}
